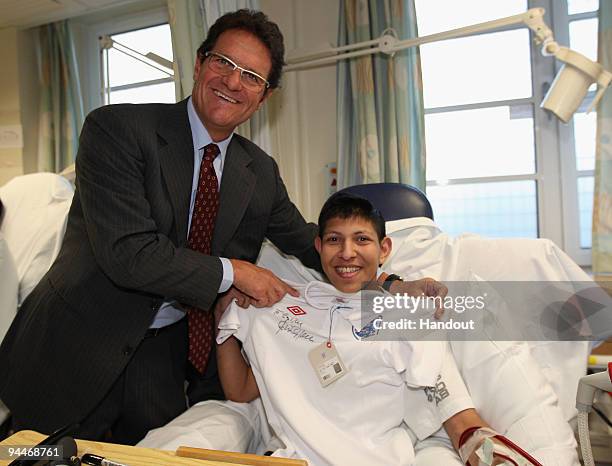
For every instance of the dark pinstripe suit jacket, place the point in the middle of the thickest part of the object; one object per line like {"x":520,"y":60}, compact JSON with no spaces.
{"x":125,"y":250}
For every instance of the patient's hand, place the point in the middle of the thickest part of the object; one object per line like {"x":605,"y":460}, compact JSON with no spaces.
{"x":487,"y":447}
{"x":422,"y":287}
{"x":225,"y":299}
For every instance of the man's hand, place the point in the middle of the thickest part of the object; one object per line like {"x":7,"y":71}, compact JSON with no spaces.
{"x":422,"y":287}
{"x":262,"y":286}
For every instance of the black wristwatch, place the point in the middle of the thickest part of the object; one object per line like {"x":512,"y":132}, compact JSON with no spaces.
{"x":390,"y":279}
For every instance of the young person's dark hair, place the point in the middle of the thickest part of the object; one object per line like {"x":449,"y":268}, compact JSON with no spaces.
{"x":345,"y":205}
{"x":1,"y":212}
{"x":258,"y":24}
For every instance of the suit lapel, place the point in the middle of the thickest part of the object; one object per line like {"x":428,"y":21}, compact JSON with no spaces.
{"x":237,"y":184}
{"x":176,"y":158}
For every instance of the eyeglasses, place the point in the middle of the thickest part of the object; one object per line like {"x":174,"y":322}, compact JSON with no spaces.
{"x":224,"y":66}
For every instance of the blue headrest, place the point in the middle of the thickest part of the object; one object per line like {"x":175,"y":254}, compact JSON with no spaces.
{"x":394,"y":200}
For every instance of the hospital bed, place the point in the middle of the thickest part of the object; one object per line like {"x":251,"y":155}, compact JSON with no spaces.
{"x":544,"y":371}
{"x":420,"y":249}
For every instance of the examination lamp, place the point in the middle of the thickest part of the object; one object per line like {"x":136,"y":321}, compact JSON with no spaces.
{"x":564,"y":96}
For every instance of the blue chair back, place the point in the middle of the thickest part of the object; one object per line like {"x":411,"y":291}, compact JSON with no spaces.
{"x":394,"y":200}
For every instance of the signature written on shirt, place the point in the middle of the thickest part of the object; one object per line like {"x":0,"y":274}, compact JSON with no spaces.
{"x":437,"y":393}
{"x":290,"y":324}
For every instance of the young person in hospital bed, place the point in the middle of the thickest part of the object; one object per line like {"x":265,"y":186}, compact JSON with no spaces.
{"x":333,"y":397}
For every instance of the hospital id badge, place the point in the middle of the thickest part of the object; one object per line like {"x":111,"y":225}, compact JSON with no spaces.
{"x":326,"y":363}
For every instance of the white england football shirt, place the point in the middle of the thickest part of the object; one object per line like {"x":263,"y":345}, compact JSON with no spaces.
{"x":358,"y":419}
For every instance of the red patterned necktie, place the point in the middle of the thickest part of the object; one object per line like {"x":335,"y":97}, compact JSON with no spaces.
{"x":201,"y":323}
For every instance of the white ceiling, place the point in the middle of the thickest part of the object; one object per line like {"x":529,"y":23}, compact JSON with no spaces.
{"x":28,"y":13}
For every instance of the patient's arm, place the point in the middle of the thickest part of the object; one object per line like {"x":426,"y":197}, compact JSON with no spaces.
{"x":236,"y":376}
{"x":421,"y":287}
{"x":464,"y":430}
{"x":460,"y":422}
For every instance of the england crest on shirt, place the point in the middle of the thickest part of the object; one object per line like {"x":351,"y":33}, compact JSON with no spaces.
{"x":366,"y":332}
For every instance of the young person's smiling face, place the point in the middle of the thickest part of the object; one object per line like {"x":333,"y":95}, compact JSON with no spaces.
{"x":223,"y":102}
{"x":351,"y":252}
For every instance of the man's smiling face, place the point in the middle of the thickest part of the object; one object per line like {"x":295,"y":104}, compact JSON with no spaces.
{"x":222,"y":102}
{"x":351,"y":252}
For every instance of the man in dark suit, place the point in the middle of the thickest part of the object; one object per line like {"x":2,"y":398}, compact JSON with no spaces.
{"x":170,"y":210}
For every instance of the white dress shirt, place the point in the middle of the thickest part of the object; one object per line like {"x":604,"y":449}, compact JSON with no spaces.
{"x":172,"y":311}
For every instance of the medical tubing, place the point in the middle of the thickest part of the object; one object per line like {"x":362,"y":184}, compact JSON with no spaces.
{"x":483,"y":433}
{"x":585,"y":440}
{"x":509,"y":443}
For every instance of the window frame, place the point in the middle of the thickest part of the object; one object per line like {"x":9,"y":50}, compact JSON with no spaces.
{"x":104,"y":66}
{"x":567,"y":153}
{"x":92,"y":51}
{"x":556,"y":175}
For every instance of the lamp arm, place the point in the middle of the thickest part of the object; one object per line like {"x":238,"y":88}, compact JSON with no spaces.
{"x":151,"y":59}
{"x":532,"y":18}
{"x":387,"y":43}
{"x":330,"y":51}
{"x":304,"y":64}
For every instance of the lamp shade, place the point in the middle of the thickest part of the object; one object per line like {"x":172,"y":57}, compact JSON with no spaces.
{"x":571,"y":84}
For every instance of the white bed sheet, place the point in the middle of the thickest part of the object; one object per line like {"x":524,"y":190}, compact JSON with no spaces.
{"x":420,"y":249}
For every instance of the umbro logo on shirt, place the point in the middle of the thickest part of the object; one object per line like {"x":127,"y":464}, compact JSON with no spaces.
{"x":296,"y":310}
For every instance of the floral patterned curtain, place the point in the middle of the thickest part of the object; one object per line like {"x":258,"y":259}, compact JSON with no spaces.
{"x":380,"y":117}
{"x":602,"y":206}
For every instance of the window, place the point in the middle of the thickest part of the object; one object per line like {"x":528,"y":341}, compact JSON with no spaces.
{"x":497,"y":164}
{"x":111,"y":77}
{"x":130,"y":77}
